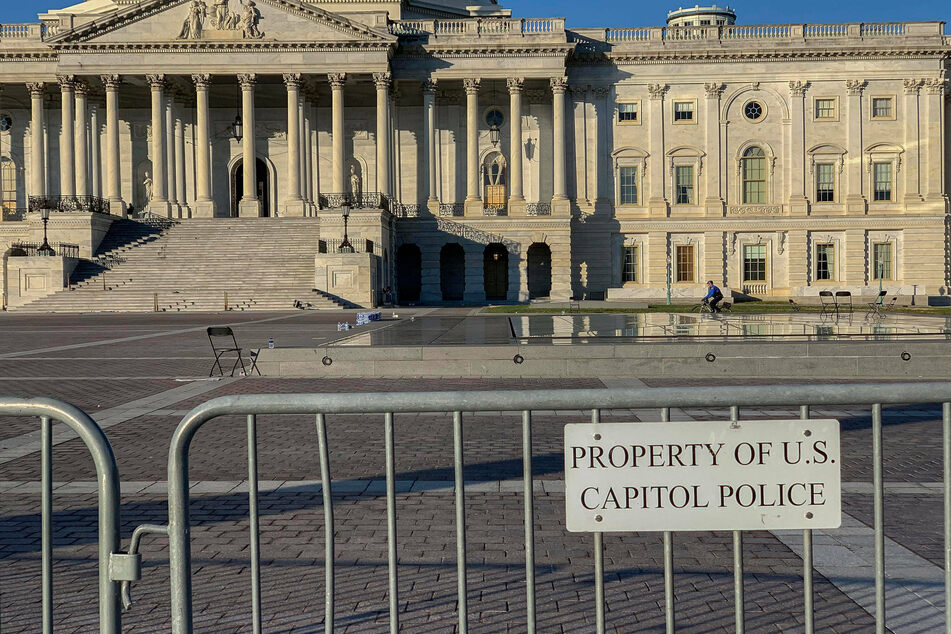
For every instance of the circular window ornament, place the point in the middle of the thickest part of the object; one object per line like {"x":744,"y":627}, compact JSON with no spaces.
{"x":6,"y":122}
{"x":754,"y":111}
{"x":494,"y":118}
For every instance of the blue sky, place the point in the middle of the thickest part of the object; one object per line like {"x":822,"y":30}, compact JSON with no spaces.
{"x":592,"y":13}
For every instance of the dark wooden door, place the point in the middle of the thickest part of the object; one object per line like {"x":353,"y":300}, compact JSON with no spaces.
{"x":496,"y":272}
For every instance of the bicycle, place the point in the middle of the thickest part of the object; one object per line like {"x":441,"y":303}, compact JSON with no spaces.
{"x":702,"y":307}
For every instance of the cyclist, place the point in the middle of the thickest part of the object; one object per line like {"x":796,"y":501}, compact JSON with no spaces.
{"x":714,"y":296}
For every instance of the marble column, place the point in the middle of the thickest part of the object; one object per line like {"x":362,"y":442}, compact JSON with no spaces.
{"x":912,"y":163}
{"x":713,"y":203}
{"x":294,"y":203}
{"x":473,"y":197}
{"x":308,"y":148}
{"x":303,"y":146}
{"x":180,"y":180}
{"x":159,"y":204}
{"x":81,"y":137}
{"x":798,"y":203}
{"x":204,"y":205}
{"x":37,"y":125}
{"x":657,"y":202}
{"x":559,"y":86}
{"x":67,"y":165}
{"x":113,"y":170}
{"x":854,"y":200}
{"x":250,"y":206}
{"x":170,"y":157}
{"x":515,"y":85}
{"x":95,"y":155}
{"x":429,"y":141}
{"x":337,"y":81}
{"x":383,"y":82}
{"x":934,"y":123}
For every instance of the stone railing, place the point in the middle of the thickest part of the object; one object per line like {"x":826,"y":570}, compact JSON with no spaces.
{"x":64,"y":204}
{"x":476,"y":235}
{"x":33,"y":31}
{"x":13,"y":215}
{"x":794,"y":32}
{"x":451,"y":209}
{"x":538,"y":209}
{"x":366,"y":200}
{"x":406,"y":211}
{"x":495,"y":210}
{"x":478,"y":27}
{"x":750,"y":288}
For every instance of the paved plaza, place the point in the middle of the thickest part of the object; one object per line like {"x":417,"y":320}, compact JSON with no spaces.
{"x":138,"y":375}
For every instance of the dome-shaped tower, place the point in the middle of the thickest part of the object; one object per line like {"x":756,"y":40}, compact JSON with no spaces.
{"x":701,"y":16}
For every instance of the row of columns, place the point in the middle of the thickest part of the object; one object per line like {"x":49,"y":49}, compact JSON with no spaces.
{"x":515,"y":86}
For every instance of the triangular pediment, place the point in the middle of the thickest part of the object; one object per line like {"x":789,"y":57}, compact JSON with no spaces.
{"x":220,"y":23}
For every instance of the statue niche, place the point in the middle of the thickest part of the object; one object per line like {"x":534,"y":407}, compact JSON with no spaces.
{"x":224,"y":24}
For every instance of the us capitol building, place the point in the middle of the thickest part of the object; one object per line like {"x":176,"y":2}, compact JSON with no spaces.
{"x":483,"y":157}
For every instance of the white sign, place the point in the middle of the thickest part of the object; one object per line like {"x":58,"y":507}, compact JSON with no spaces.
{"x":703,"y":476}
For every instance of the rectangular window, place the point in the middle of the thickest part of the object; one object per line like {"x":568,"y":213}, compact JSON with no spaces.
{"x":825,"y":182}
{"x":685,"y":266}
{"x":754,"y":263}
{"x":629,"y":272}
{"x":882,"y":261}
{"x":627,"y":112}
{"x":628,"y":185}
{"x":882,"y":108}
{"x":754,"y":177}
{"x":825,"y":108}
{"x":683,"y":183}
{"x":882,"y":174}
{"x":8,"y":183}
{"x":825,"y":261}
{"x":683,"y":111}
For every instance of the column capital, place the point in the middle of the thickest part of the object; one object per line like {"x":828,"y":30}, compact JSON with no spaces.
{"x":798,"y":88}
{"x":657,"y":91}
{"x":37,"y":89}
{"x":247,"y":80}
{"x":157,"y":82}
{"x":854,"y":87}
{"x":559,"y":85}
{"x":111,"y":82}
{"x":429,"y":86}
{"x":714,"y":89}
{"x":936,"y":86}
{"x":913,"y":86}
{"x":81,"y":87}
{"x":472,"y":85}
{"x":66,"y":81}
{"x":293,"y":80}
{"x":337,"y":80}
{"x":515,"y":84}
{"x":383,"y":81}
{"x":201,"y":81}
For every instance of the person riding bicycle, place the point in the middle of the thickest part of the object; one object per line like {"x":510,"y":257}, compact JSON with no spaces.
{"x":713,"y":297}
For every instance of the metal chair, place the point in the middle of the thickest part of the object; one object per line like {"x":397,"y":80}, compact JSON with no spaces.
{"x":794,"y":306}
{"x":876,"y":309}
{"x":843,"y":300}
{"x":827,"y":300}
{"x":222,"y":334}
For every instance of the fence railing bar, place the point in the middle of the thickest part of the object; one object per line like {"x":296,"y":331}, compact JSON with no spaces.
{"x":879,"y":518}
{"x":598,"y":561}
{"x":529,"y":495}
{"x":391,"y":522}
{"x":46,"y":501}
{"x":946,"y":424}
{"x":669,"y":599}
{"x":254,"y":521}
{"x":329,"y":530}
{"x":461,"y":568}
{"x":738,"y":594}
{"x":807,"y":591}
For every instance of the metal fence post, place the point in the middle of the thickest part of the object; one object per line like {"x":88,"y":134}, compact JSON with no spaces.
{"x":329,"y":530}
{"x":598,"y":561}
{"x":879,"y":518}
{"x":461,"y":568}
{"x":391,"y":523}
{"x":738,"y":590}
{"x":529,"y":494}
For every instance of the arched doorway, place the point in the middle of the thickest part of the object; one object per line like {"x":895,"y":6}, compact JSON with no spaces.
{"x":495,"y":182}
{"x":539,"y":270}
{"x":452,"y":272}
{"x":263,"y":186}
{"x":495,"y":263}
{"x":409,"y":273}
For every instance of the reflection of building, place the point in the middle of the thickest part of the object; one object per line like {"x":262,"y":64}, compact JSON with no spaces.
{"x":501,"y":158}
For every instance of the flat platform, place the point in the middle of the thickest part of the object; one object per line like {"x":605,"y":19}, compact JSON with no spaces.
{"x":647,"y":344}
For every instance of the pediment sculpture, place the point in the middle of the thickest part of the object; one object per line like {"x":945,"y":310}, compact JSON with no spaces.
{"x":224,"y":21}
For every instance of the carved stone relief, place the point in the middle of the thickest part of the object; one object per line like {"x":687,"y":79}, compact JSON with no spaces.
{"x":223,"y":23}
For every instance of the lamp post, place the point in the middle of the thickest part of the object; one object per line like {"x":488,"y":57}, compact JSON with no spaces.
{"x":45,"y":248}
{"x":345,"y":246}
{"x":668,"y":280}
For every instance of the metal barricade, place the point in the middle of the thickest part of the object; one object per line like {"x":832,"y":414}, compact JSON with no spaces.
{"x":114,"y":567}
{"x":460,"y":403}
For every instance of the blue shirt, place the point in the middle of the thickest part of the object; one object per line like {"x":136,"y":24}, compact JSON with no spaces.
{"x":712,"y":291}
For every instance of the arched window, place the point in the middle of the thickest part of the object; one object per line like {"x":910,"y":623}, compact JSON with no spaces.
{"x":8,"y":183}
{"x":754,"y":176}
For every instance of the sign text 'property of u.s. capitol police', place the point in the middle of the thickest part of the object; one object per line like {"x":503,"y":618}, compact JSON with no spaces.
{"x":702,"y":476}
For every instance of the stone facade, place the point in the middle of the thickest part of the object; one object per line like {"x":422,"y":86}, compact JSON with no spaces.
{"x":490,"y":158}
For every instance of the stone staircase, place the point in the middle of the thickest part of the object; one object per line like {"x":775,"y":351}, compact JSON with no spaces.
{"x":143,"y":266}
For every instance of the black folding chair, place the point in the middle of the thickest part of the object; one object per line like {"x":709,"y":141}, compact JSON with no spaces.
{"x":829,"y":305}
{"x":222,"y":334}
{"x":843,"y":300}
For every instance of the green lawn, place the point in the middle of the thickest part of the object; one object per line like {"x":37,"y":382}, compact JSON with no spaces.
{"x":744,"y":307}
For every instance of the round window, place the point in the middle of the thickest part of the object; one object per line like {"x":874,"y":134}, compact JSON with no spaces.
{"x":754,"y":110}
{"x":6,"y":122}
{"x":494,"y":118}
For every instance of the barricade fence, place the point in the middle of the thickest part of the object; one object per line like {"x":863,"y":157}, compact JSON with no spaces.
{"x":116,"y":567}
